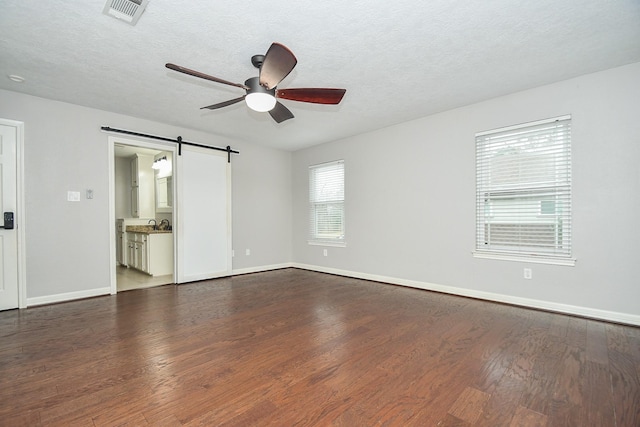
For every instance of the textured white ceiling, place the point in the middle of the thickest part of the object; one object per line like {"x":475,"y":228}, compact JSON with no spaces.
{"x":399,"y":60}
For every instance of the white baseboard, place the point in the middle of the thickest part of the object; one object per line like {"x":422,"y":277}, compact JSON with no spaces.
{"x":611,"y":316}
{"x":593,"y":313}
{"x":50,"y":299}
{"x":261,"y":268}
{"x":69,"y":296}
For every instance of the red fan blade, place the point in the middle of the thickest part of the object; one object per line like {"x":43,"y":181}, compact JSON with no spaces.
{"x":278,"y":63}
{"x":195,"y":73}
{"x":314,"y":95}
{"x":224,"y":104}
{"x":280,"y":113}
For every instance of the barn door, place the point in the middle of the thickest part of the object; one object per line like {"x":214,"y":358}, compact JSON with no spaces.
{"x":203,"y":214}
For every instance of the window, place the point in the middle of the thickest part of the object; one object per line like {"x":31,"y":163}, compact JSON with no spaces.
{"x":326,"y":203}
{"x":523,"y":193}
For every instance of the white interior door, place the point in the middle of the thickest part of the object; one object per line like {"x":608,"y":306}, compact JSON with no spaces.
{"x":204,"y":214}
{"x":8,"y":203}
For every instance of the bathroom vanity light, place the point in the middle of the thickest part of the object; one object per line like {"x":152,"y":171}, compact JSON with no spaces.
{"x":160,"y":163}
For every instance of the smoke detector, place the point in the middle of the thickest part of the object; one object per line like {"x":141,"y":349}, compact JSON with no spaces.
{"x":126,"y":10}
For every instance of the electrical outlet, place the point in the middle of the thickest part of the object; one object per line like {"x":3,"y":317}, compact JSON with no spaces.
{"x":325,"y":252}
{"x":528,"y":274}
{"x":233,"y":253}
{"x":247,"y":252}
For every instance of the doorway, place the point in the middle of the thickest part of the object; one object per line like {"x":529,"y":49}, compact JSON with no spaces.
{"x":141,"y":214}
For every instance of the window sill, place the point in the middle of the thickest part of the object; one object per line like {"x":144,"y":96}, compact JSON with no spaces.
{"x":536,"y":259}
{"x":327,"y":243}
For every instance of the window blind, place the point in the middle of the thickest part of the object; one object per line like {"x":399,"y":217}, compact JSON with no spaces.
{"x":326,"y":202}
{"x":523,"y":193}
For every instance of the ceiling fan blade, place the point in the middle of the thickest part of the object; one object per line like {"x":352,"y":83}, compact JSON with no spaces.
{"x":278,"y":63}
{"x":195,"y":73}
{"x":314,"y":95}
{"x":280,"y":113}
{"x":224,"y":104}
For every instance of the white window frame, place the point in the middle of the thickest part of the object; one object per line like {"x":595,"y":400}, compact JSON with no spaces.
{"x":326,"y":193}
{"x":523,"y":192}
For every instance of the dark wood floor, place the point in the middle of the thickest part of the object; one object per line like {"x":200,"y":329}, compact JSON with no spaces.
{"x":293,"y":347}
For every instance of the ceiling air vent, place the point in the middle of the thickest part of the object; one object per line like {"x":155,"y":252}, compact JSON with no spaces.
{"x":126,"y":10}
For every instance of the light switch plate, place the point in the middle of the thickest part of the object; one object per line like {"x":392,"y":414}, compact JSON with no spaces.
{"x":73,"y":196}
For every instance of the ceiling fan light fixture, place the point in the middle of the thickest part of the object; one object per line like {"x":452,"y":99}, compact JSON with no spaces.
{"x":261,"y":102}
{"x":259,"y":98}
{"x":261,"y":92}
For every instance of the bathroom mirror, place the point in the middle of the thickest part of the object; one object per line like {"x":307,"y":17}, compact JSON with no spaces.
{"x":164,"y":194}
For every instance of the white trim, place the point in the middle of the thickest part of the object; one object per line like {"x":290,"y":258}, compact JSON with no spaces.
{"x":327,"y":243}
{"x":612,"y":316}
{"x":204,"y":276}
{"x":113,"y":284}
{"x":261,"y":268}
{"x":531,"y":259}
{"x":112,"y":141}
{"x":20,"y":216}
{"x":523,"y":125}
{"x":68,"y":296}
{"x":330,"y":163}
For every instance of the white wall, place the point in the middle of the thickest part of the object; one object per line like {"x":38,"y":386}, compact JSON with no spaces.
{"x":261,"y":207}
{"x":410,"y":201}
{"x":67,"y":244}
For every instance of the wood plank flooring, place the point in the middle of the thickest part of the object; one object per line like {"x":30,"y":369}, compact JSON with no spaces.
{"x":293,"y":347}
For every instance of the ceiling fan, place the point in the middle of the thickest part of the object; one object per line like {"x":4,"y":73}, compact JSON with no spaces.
{"x":261,"y":94}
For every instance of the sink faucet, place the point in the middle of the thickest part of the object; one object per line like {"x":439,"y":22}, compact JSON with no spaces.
{"x":155,"y":224}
